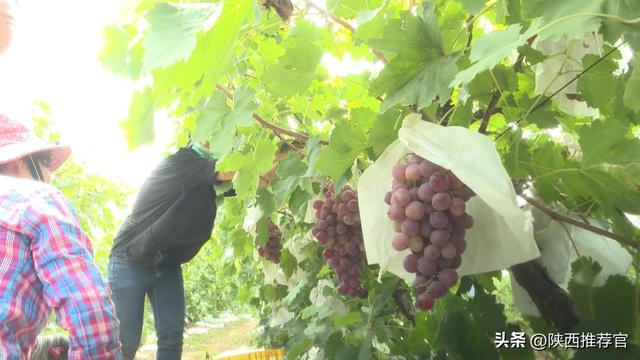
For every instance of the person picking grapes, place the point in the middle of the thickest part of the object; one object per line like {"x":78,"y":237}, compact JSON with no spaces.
{"x":171,"y":219}
{"x":46,"y":261}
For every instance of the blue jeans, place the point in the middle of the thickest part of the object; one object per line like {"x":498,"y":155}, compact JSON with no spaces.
{"x":130,"y":283}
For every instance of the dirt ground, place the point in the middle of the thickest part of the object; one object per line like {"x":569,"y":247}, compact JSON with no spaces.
{"x":206,"y":343}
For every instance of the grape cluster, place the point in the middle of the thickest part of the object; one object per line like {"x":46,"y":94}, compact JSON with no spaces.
{"x":338,"y":229}
{"x":272,"y":250}
{"x":427,"y":207}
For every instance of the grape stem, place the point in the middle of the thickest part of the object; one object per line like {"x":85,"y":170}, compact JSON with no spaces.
{"x":559,"y":217}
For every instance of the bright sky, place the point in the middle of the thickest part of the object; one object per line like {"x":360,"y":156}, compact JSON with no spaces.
{"x":54,"y":58}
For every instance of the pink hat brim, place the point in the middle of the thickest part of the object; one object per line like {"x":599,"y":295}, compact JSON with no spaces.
{"x":12,"y":152}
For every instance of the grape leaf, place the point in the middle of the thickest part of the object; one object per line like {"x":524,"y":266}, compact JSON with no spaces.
{"x":288,"y":263}
{"x":265,"y":201}
{"x":614,"y":301}
{"x":473,"y":7}
{"x":490,"y":49}
{"x":384,"y":130}
{"x":569,"y":19}
{"x":345,"y":145}
{"x":289,"y":173}
{"x":115,"y":54}
{"x":349,"y":9}
{"x":172,"y":31}
{"x":218,"y":121}
{"x":432,"y":82}
{"x":420,"y":71}
{"x":210,"y":58}
{"x":262,"y":230}
{"x":245,"y":182}
{"x":264,"y":154}
{"x":608,"y":142}
{"x":598,"y":83}
{"x":613,"y":29}
{"x":296,"y":68}
{"x":138,"y":126}
{"x":333,"y":163}
{"x":632,"y":87}
{"x":347,"y":139}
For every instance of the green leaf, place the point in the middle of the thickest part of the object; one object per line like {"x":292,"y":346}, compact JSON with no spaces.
{"x":209,"y":60}
{"x":351,"y":318}
{"x":299,"y":348}
{"x":347,"y":138}
{"x":420,"y":71}
{"x":614,"y":302}
{"x":138,"y":126}
{"x":297,"y":67}
{"x":613,"y":29}
{"x":115,"y":54}
{"x":288,"y":263}
{"x":473,"y":7}
{"x":632,"y":87}
{"x":349,"y":9}
{"x":262,"y":229}
{"x":264,"y":155}
{"x":570,"y":19}
{"x":464,"y":338}
{"x":384,"y":131}
{"x":172,"y":31}
{"x":218,"y":121}
{"x":597,"y":84}
{"x":431,"y":83}
{"x":345,"y":145}
{"x":490,"y":49}
{"x":289,"y":172}
{"x":608,"y":142}
{"x":245,"y":182}
{"x":532,"y":55}
{"x":265,"y":200}
{"x":332,"y":163}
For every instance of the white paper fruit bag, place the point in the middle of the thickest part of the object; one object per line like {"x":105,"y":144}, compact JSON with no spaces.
{"x":554,"y":240}
{"x":502,"y":234}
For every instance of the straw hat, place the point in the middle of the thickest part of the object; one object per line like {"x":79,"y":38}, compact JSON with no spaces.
{"x":17,"y":141}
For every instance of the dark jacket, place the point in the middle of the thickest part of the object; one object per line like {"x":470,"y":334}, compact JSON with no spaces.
{"x":173,"y":214}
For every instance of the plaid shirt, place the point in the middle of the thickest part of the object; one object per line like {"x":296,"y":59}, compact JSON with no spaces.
{"x":46,"y":264}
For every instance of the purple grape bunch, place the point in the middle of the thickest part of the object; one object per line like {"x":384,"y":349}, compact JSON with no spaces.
{"x":273,"y":249}
{"x":339,"y":231}
{"x":427,"y":205}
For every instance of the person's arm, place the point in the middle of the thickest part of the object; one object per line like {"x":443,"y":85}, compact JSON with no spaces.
{"x":72,"y":284}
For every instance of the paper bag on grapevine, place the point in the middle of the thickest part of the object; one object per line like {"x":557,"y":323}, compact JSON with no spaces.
{"x":502,"y":234}
{"x":558,"y":253}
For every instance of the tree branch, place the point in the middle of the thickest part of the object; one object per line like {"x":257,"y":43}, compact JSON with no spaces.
{"x":268,"y":125}
{"x":470,"y":21}
{"x":559,"y":217}
{"x":552,"y":301}
{"x":490,"y":110}
{"x":346,"y":25}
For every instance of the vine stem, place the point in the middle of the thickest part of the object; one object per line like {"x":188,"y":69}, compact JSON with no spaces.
{"x":559,"y":217}
{"x":276,"y":129}
{"x":548,"y":98}
{"x":495,"y":97}
{"x":490,"y":110}
{"x":346,"y":25}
